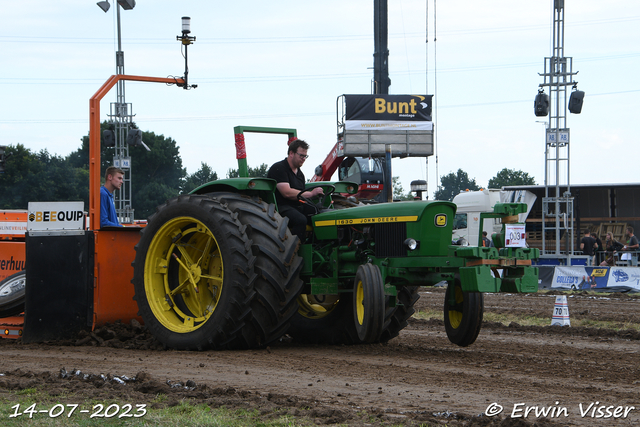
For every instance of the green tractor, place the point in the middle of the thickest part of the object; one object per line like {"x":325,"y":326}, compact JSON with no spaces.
{"x":219,"y":268}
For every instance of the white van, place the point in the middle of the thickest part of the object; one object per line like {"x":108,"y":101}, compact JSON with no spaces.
{"x":466,"y":224}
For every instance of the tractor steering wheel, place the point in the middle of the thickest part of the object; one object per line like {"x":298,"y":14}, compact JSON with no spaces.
{"x":329,"y":189}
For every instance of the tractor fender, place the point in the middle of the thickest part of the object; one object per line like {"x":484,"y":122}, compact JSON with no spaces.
{"x":237,"y":185}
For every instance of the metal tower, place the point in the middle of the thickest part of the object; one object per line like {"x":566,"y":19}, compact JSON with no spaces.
{"x":557,"y":208}
{"x":120,"y":114}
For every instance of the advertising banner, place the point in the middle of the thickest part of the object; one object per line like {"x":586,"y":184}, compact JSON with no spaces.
{"x":55,"y":216}
{"x":12,"y":258}
{"x":388,"y":112}
{"x":13,"y":224}
{"x":12,"y":228}
{"x":627,"y":277}
{"x":613,"y":279}
{"x":579,"y":278}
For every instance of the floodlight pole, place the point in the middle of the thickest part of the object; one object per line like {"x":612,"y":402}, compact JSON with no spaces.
{"x":121,"y":113}
{"x":558,"y":74}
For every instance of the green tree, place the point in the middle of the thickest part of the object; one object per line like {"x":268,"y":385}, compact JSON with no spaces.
{"x":19,"y":183}
{"x":150,"y":196}
{"x":260,"y":171}
{"x":31,"y":177}
{"x":452,"y":184}
{"x":508,"y":177}
{"x":80,"y":157}
{"x":201,"y":176}
{"x":61,"y":181}
{"x":159,"y":169}
{"x":398,"y":190}
{"x":156,"y":175}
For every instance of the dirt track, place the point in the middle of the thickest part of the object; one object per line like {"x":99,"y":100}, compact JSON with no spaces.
{"x":416,"y":378}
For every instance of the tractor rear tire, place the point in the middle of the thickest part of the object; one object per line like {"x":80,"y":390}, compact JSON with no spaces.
{"x":368,"y":303}
{"x":12,"y":294}
{"x":463,"y":319}
{"x":335,"y":325}
{"x":319,"y":323}
{"x":277,"y":265}
{"x":194,"y":276}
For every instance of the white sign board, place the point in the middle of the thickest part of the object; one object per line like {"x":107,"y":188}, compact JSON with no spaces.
{"x":515,"y":236}
{"x":48,"y":216}
{"x":12,"y":228}
{"x":122,"y":163}
{"x":561,"y":136}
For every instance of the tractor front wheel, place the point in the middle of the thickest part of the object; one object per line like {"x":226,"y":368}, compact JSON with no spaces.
{"x":368,"y":303}
{"x":463,"y":313}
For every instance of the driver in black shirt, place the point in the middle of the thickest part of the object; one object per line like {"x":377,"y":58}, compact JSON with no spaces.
{"x":290,"y":182}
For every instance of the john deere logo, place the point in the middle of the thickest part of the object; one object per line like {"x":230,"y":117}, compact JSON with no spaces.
{"x":441,"y":220}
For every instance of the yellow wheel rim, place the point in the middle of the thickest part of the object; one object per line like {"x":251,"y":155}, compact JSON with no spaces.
{"x":316,"y":306}
{"x":455,"y":317}
{"x":360,"y":302}
{"x":183,"y":274}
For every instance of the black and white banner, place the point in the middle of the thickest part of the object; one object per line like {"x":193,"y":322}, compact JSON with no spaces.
{"x":388,"y":112}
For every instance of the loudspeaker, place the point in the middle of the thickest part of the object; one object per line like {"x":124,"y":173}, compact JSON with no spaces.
{"x":108,"y":138}
{"x":134,"y":137}
{"x":575,"y":101}
{"x":541,"y":104}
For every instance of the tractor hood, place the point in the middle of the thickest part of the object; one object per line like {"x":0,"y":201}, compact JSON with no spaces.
{"x":375,"y":213}
{"x":424,"y":220}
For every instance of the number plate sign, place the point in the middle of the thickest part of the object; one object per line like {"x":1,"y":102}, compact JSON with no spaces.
{"x":515,"y":236}
{"x":122,"y":163}
{"x":557,"y":136}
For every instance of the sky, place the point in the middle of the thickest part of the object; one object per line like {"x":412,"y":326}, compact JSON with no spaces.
{"x":284,"y":64}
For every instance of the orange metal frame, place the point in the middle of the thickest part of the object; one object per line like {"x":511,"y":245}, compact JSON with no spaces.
{"x":94,"y":137}
{"x":114,"y":249}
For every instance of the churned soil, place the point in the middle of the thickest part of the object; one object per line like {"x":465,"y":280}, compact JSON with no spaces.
{"x":556,"y":376}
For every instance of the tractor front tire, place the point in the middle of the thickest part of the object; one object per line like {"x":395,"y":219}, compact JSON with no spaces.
{"x":463,"y":313}
{"x":194,"y":276}
{"x":368,"y":303}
